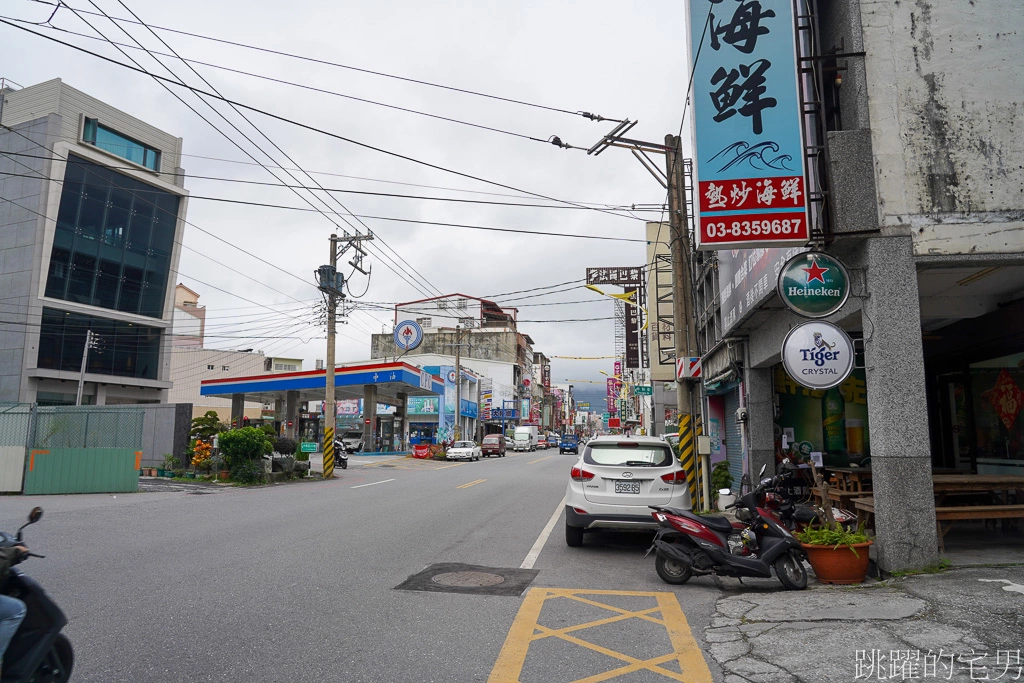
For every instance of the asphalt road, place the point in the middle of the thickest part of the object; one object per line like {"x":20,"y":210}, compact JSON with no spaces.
{"x":296,"y":582}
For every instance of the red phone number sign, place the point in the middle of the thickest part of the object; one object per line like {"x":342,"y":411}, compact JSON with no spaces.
{"x":749,"y":212}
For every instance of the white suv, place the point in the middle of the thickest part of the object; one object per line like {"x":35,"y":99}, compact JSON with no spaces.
{"x":615,"y":480}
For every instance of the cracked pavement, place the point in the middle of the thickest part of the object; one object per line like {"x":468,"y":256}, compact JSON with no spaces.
{"x":959,"y":625}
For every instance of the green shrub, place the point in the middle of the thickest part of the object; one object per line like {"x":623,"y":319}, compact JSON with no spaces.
{"x":268,"y":430}
{"x":285,"y":446}
{"x":302,"y":457}
{"x":247,"y":472}
{"x":205,"y":426}
{"x":720,"y":477}
{"x":240,"y":445}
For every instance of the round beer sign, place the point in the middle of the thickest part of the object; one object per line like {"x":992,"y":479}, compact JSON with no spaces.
{"x":814,"y":284}
{"x":818,"y":355}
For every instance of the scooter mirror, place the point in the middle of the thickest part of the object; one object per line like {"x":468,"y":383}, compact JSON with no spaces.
{"x":761,"y":473}
{"x":35,"y":515}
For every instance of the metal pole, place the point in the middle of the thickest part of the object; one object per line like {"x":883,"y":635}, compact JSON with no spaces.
{"x":330,"y":412}
{"x":458,"y":382}
{"x":85,"y":360}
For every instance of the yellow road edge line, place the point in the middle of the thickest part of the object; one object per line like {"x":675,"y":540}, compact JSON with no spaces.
{"x":691,"y":660}
{"x":517,"y":642}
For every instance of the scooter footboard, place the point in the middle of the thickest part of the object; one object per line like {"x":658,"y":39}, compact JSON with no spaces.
{"x":772,"y":548}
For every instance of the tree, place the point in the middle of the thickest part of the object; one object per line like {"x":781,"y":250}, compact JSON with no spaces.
{"x":206,"y":426}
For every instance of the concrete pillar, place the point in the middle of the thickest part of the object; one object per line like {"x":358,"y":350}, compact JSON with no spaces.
{"x":101,"y":394}
{"x":291,"y":414}
{"x":760,"y":427}
{"x":237,"y":409}
{"x":901,"y":463}
{"x":369,"y":413}
{"x":402,"y":427}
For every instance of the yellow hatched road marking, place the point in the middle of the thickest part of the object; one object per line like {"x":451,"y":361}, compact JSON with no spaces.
{"x":527,"y":629}
{"x":472,"y":483}
{"x":540,"y":459}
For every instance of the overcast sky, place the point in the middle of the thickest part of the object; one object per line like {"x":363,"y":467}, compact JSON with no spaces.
{"x":611,"y":58}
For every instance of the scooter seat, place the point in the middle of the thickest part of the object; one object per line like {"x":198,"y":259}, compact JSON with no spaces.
{"x":717,"y":523}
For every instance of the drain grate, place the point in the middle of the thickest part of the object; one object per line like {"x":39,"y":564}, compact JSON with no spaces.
{"x":452,"y":577}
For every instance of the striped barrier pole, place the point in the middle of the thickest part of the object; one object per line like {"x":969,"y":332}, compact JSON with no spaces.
{"x":687,"y":457}
{"x":328,"y":452}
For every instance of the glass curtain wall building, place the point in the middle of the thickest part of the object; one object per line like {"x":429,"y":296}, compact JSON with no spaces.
{"x":96,"y":218}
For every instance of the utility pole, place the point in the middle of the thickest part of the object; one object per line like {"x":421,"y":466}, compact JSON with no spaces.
{"x":457,"y":434}
{"x":332,"y":284}
{"x":91,"y":342}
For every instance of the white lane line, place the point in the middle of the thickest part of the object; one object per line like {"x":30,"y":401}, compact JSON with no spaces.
{"x":534,"y":553}
{"x":372,"y":483}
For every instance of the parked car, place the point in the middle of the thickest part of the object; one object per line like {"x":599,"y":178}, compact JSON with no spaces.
{"x":569,"y":444}
{"x":542,"y":443}
{"x":615,"y":480}
{"x":510,"y":445}
{"x":352,"y":440}
{"x":464,"y":450}
{"x":493,"y":444}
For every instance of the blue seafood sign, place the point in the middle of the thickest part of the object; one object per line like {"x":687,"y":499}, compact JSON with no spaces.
{"x":752,"y":187}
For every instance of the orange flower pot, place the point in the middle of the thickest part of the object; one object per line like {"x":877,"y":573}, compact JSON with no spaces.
{"x":839,"y":565}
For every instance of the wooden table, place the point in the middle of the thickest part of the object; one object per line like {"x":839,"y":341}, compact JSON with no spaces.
{"x":948,"y":487}
{"x":854,"y":479}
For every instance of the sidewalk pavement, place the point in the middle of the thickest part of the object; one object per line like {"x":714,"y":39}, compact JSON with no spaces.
{"x":316,"y":460}
{"x":962,"y":624}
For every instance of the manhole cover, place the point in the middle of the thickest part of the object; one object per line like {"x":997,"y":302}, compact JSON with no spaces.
{"x":467,"y":579}
{"x":455,"y":577}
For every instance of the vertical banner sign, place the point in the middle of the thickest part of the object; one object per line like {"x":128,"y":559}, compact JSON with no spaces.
{"x":617,"y":368}
{"x":632,"y":337}
{"x":545,"y":376}
{"x":611,"y":393}
{"x":752,"y":186}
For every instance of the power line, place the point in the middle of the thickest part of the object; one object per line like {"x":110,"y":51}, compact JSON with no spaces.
{"x":312,"y":88}
{"x":587,"y":115}
{"x":299,"y":124}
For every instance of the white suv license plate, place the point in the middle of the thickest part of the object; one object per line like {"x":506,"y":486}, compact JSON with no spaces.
{"x":627,"y":487}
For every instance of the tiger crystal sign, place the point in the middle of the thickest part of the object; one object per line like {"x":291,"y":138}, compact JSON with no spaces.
{"x":752,"y":186}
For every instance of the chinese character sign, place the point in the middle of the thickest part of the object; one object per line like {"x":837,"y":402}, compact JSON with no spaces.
{"x":746,"y":111}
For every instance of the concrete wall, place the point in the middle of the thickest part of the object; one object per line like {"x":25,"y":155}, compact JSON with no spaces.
{"x":22,"y":227}
{"x":54,"y":96}
{"x":946,"y":101}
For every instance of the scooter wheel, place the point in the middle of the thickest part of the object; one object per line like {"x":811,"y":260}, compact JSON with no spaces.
{"x":344,"y":464}
{"x":791,"y":571}
{"x":672,"y":571}
{"x":58,"y":662}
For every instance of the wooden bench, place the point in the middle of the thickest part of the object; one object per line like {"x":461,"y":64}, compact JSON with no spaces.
{"x":866,"y":509}
{"x":840,"y":498}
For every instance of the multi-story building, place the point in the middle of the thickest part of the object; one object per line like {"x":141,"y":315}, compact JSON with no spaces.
{"x":192,"y":362}
{"x":90,"y":231}
{"x":913,"y":120}
{"x":490,"y":346}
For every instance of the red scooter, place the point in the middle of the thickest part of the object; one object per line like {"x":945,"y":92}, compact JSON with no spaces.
{"x":687,"y":544}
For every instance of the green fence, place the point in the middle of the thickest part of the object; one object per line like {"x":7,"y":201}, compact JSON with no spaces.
{"x":69,"y":449}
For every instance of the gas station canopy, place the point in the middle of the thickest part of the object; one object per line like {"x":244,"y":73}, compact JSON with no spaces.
{"x":350,"y":381}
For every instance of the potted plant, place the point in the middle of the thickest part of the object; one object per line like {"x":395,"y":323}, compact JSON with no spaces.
{"x":202,"y":452}
{"x":721,"y":481}
{"x":837,"y":554}
{"x":170,"y":462}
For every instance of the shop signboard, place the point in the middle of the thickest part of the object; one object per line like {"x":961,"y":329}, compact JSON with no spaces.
{"x":423,"y":405}
{"x":408,"y":335}
{"x":818,"y":354}
{"x":813,"y":284}
{"x":627,"y":276}
{"x":581,"y":405}
{"x":751,"y":184}
{"x":614,"y":423}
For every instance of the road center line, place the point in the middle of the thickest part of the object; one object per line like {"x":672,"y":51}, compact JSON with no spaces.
{"x":538,"y":545}
{"x":472,"y":483}
{"x":539,"y":459}
{"x":372,"y":483}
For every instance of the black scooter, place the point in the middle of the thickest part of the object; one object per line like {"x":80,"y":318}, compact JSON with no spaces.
{"x":687,"y":544}
{"x":340,"y":455}
{"x":39,"y":652}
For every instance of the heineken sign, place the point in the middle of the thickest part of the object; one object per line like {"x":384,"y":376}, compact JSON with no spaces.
{"x":817,"y":355}
{"x":814,"y":284}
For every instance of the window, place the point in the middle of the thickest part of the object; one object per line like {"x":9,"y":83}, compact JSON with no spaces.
{"x":467,"y":322}
{"x":225,"y":368}
{"x":113,"y":239}
{"x":209,"y":367}
{"x":460,"y":303}
{"x":286,"y":367}
{"x":122,"y":349}
{"x":109,"y":140}
{"x":442,"y":303}
{"x":423,"y":322}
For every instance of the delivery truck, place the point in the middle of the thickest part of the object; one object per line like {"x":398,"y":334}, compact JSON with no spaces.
{"x":525,"y":438}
